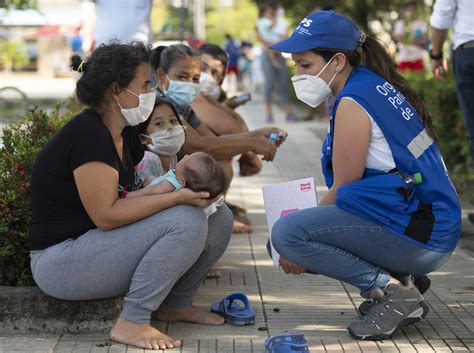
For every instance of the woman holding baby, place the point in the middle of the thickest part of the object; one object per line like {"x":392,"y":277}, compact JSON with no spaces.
{"x":90,"y":239}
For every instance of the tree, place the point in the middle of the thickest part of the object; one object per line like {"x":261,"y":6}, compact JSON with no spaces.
{"x":12,"y":55}
{"x":19,"y":4}
{"x":362,"y":12}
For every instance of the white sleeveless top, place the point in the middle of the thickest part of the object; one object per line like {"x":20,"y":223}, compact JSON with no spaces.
{"x":379,"y":154}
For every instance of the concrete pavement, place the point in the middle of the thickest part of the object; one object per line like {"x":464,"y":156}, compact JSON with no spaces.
{"x":319,"y":307}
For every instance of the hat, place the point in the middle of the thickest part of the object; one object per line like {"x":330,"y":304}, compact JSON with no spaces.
{"x":322,"y":29}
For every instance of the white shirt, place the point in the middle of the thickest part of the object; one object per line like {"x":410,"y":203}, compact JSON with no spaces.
{"x":457,"y":14}
{"x":379,"y":154}
{"x":122,"y":20}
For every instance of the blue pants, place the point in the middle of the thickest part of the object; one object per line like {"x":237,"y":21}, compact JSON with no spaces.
{"x":464,"y":71}
{"x":335,"y":243}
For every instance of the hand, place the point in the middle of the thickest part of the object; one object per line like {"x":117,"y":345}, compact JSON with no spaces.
{"x":291,"y":268}
{"x":189,"y":197}
{"x":264,"y":147}
{"x":440,"y":68}
{"x":249,"y":164}
{"x":266,"y":131}
{"x":232,"y":103}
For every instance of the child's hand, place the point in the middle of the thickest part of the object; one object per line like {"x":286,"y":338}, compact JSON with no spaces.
{"x":189,"y":197}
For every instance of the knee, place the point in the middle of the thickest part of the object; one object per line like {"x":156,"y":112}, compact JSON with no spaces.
{"x":190,"y":221}
{"x":282,"y":236}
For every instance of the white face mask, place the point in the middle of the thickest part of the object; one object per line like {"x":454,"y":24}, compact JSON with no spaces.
{"x":312,"y":90}
{"x":167,"y":142}
{"x":137,"y":115}
{"x":208,"y":86}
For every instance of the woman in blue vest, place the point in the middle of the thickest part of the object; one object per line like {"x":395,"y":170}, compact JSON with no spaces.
{"x":391,"y":213}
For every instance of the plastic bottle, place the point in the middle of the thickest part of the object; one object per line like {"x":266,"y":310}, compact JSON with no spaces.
{"x":412,"y":179}
{"x":273,"y":137}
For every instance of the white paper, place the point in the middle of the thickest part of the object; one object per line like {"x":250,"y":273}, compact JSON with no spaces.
{"x":284,"y":198}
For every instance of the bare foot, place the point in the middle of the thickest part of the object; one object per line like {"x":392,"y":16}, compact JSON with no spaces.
{"x":141,"y":335}
{"x":189,"y":314}
{"x":214,"y":272}
{"x":240,"y":227}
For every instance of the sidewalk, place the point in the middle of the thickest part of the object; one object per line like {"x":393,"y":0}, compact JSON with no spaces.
{"x":319,"y":307}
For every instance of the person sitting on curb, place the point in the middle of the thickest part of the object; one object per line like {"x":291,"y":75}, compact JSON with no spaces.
{"x":178,"y":70}
{"x":90,"y":242}
{"x":212,"y":110}
{"x":391,"y":211}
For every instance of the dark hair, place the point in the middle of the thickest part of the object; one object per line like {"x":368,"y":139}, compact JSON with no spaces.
{"x":375,"y":56}
{"x":215,"y":51}
{"x":159,"y":101}
{"x":108,"y":64}
{"x":164,"y":57}
{"x":214,"y":180}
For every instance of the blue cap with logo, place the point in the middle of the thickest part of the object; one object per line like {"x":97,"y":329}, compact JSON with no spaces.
{"x":322,"y":29}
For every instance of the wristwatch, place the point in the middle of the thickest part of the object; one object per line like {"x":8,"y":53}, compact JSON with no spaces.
{"x":437,"y":56}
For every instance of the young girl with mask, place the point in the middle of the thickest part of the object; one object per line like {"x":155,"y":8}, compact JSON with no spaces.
{"x":153,"y":250}
{"x":391,"y":211}
{"x":163,"y":136}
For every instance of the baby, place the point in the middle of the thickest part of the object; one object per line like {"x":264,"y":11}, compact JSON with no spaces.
{"x":163,"y":136}
{"x":198,"y":172}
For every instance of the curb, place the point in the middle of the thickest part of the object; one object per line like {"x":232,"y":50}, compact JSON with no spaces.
{"x":28,"y":309}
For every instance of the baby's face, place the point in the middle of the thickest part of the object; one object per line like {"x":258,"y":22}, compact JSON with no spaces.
{"x":191,"y":161}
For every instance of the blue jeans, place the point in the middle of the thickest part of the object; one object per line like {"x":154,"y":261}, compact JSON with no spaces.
{"x":335,"y":243}
{"x":464,"y":71}
{"x":275,"y":78}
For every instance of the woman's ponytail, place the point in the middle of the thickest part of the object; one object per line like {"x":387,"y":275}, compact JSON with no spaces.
{"x":375,"y":56}
{"x":155,"y":56}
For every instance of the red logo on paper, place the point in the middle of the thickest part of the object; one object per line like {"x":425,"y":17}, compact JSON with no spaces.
{"x":285,"y":212}
{"x":305,"y":187}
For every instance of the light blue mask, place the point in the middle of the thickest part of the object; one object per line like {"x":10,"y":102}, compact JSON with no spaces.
{"x":170,"y":177}
{"x":182,"y":93}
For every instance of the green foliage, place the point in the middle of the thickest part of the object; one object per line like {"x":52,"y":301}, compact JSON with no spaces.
{"x":360,"y":11}
{"x":19,"y":4}
{"x":238,"y":21}
{"x":21,"y":143}
{"x":441,"y":101}
{"x":12,"y":55}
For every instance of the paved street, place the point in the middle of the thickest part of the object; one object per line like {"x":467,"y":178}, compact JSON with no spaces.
{"x":319,"y":307}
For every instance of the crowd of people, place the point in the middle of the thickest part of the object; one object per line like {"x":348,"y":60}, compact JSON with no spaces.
{"x":128,"y":198}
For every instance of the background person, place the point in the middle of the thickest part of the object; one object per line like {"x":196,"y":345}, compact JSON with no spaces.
{"x":273,"y":65}
{"x":411,"y":35}
{"x":456,"y":14}
{"x":377,"y":225}
{"x":153,"y":250}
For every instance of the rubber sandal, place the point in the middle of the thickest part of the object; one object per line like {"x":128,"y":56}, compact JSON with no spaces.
{"x":286,"y":343}
{"x":233,"y":312}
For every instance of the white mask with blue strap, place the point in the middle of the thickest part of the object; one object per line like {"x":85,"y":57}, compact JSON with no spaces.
{"x":169,"y":177}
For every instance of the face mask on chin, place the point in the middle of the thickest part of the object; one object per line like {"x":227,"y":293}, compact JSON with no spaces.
{"x":208,"y":86}
{"x":312,"y":90}
{"x":137,"y":115}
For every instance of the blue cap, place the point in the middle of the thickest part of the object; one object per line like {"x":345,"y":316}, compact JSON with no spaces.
{"x":321,"y":29}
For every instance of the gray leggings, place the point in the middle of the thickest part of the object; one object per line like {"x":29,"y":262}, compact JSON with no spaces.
{"x":160,"y":259}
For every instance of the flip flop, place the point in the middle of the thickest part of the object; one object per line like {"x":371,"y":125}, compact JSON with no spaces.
{"x":233,"y":312}
{"x":286,"y":343}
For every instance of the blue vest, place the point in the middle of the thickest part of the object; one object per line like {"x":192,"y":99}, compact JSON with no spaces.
{"x":427,"y":214}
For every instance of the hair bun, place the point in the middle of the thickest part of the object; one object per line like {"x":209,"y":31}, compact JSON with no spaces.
{"x":77,"y":63}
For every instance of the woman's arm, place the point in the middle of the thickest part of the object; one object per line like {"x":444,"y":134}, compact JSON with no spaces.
{"x":97,"y":185}
{"x":225,"y":147}
{"x":352,"y":133}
